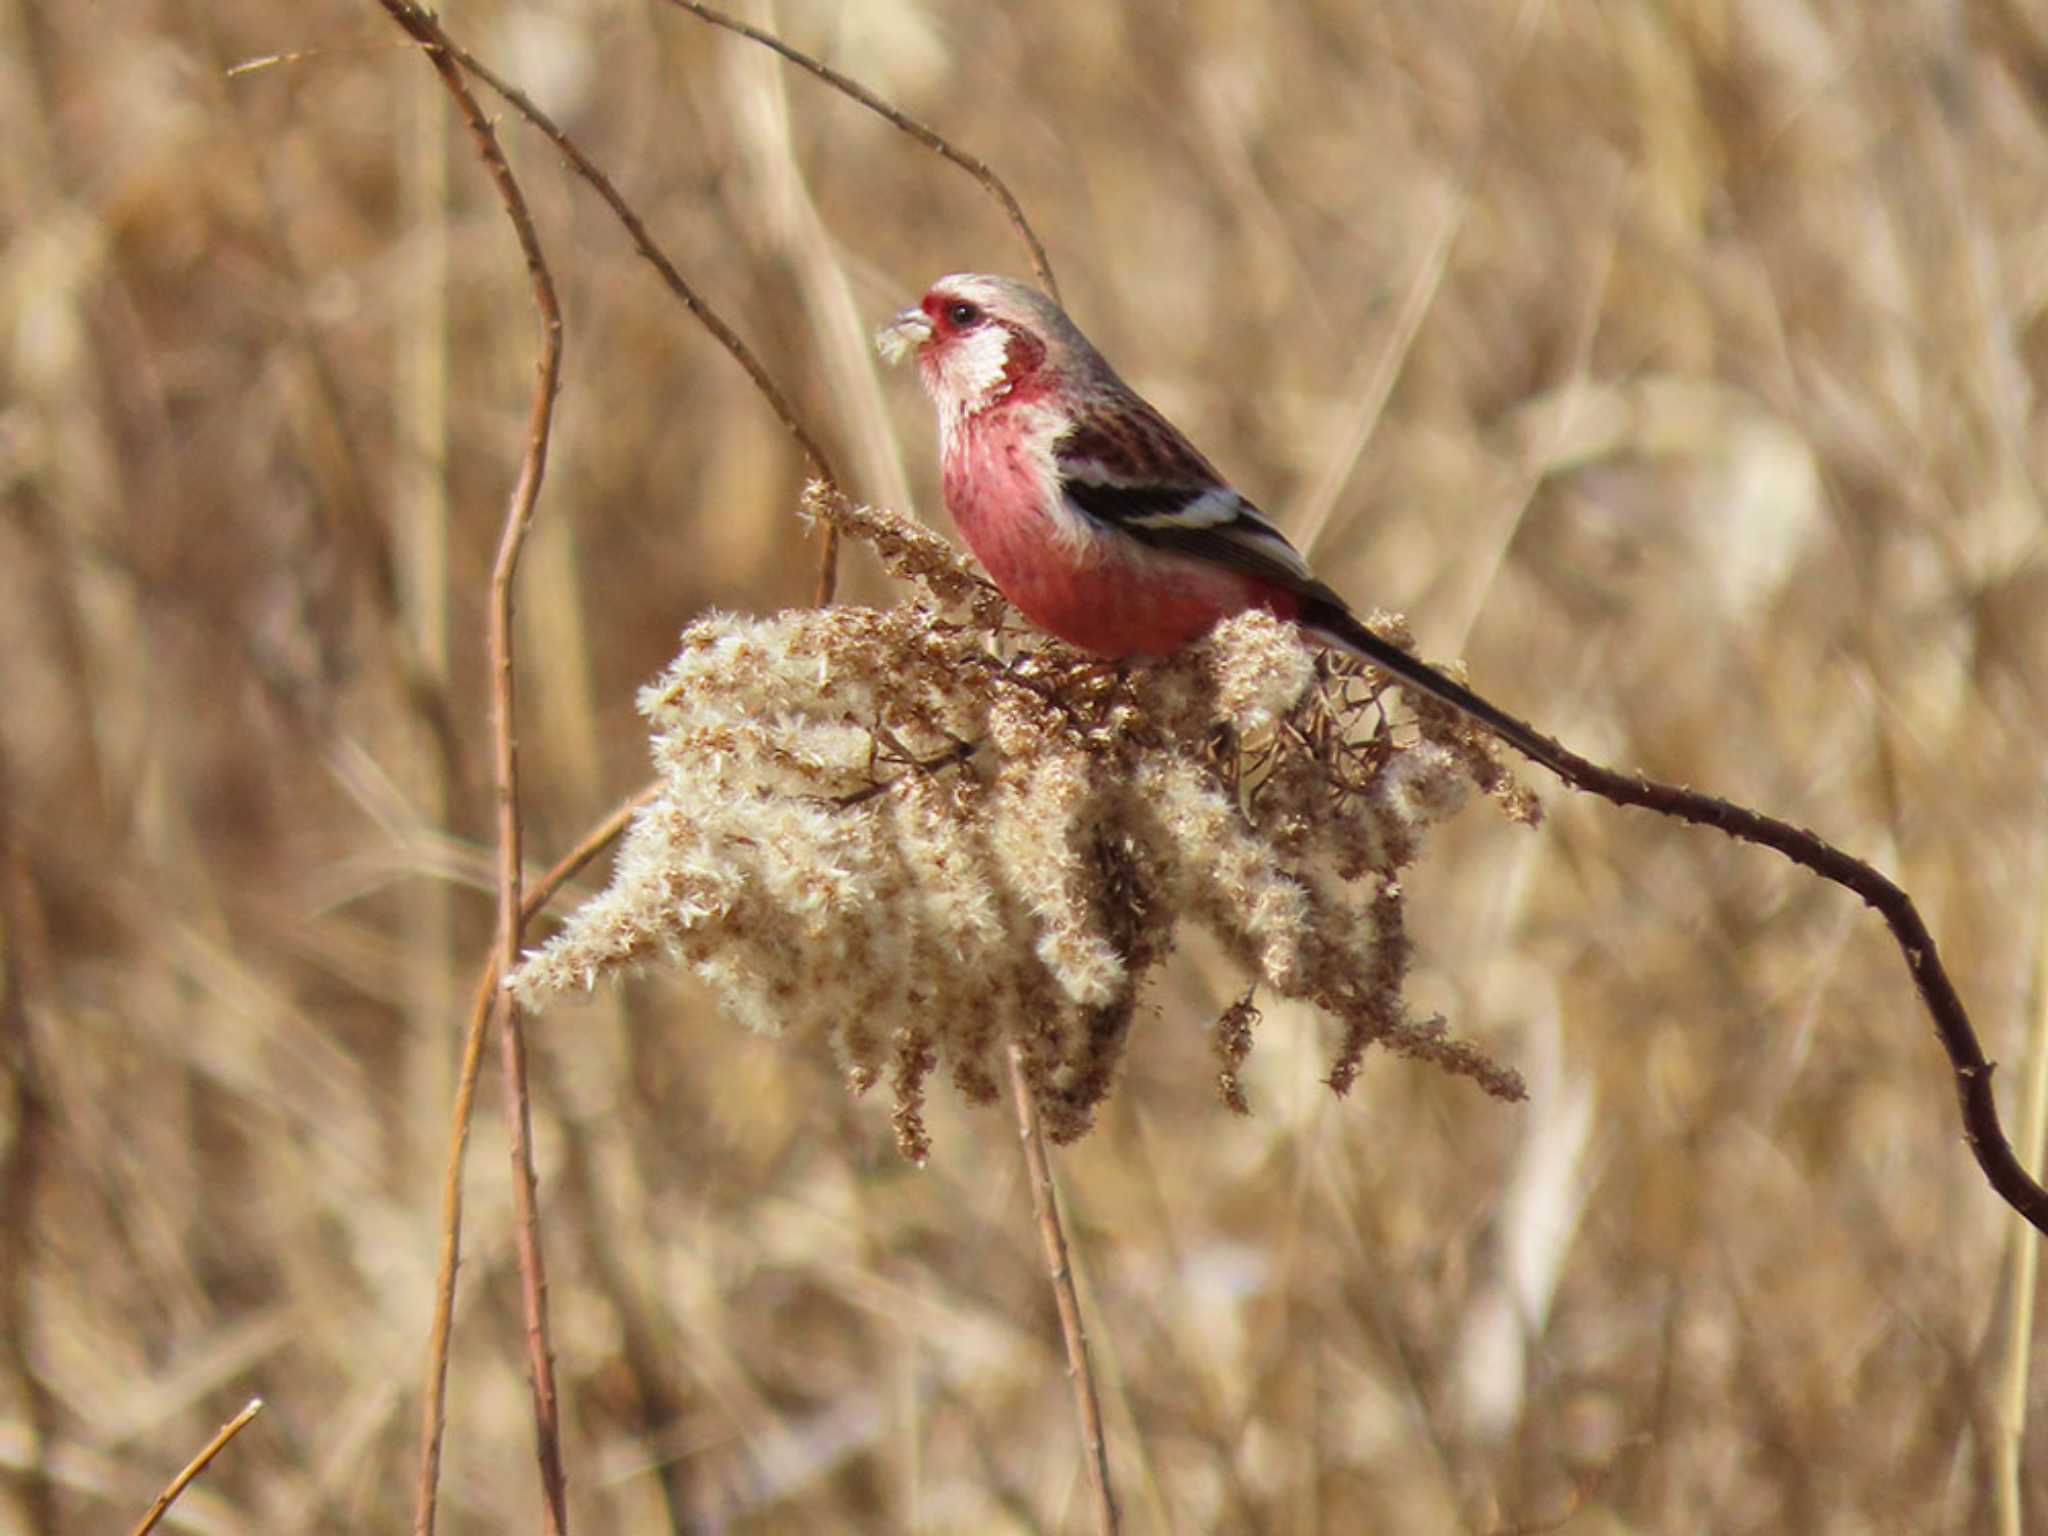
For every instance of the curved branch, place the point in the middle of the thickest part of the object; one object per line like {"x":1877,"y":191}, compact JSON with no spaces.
{"x":538,"y":894}
{"x":196,"y":1465}
{"x":709,"y":318}
{"x":930,"y":138}
{"x":511,"y":914}
{"x":1809,"y":851}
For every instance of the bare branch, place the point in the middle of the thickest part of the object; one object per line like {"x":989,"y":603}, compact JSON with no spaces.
{"x":197,"y":1465}
{"x":1052,"y":1235}
{"x":709,"y":318}
{"x":1981,"y":1128}
{"x":930,"y":138}
{"x":518,"y":518}
{"x":594,"y":842}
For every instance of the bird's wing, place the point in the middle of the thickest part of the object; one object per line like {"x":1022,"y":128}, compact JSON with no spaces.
{"x":1140,"y":477}
{"x":1135,"y":473}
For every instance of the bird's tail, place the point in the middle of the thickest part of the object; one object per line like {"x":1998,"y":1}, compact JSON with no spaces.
{"x":1336,"y":625}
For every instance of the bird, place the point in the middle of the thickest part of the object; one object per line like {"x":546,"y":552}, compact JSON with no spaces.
{"x":1095,"y":516}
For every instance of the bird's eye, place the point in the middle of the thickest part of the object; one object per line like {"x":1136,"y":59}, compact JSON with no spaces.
{"x":960,"y":314}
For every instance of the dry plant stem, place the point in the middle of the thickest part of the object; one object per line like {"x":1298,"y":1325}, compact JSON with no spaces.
{"x":1952,"y":1025}
{"x":828,"y":559}
{"x":1045,"y":1200}
{"x":519,"y":516}
{"x":434,"y":1396}
{"x":929,"y":138}
{"x":197,"y":1465}
{"x":533,"y":1280}
{"x":487,"y":991}
{"x":592,"y":843}
{"x":725,"y":335}
{"x":2010,"y":1460}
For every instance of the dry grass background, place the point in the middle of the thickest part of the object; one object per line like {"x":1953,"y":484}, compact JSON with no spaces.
{"x":1679,"y":366}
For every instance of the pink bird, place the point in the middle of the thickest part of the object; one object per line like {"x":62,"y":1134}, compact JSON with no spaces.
{"x":1090,"y":510}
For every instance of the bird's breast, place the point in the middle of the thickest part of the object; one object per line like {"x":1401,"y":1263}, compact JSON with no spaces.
{"x":1095,"y":587}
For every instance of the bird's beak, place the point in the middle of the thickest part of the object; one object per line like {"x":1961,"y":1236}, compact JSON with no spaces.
{"x":903,"y":335}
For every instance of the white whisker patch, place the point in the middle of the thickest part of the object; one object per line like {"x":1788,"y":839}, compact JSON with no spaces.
{"x":970,"y":371}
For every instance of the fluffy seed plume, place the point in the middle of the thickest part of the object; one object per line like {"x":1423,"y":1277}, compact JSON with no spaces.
{"x":919,"y":833}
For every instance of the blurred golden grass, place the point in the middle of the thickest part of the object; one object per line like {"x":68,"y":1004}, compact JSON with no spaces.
{"x":1680,"y":366}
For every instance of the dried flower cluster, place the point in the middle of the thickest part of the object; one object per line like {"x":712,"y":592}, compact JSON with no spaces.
{"x":921,"y":835}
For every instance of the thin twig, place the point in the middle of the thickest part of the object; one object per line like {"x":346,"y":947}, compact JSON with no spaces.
{"x":518,"y":518}
{"x":915,"y":768}
{"x":930,"y":138}
{"x":197,"y":1465}
{"x":2010,"y":1458}
{"x":1045,"y":1200}
{"x":434,"y":1398}
{"x":709,"y":318}
{"x":1952,"y":1025}
{"x":592,"y":843}
{"x":807,"y":443}
{"x":1810,"y":851}
{"x":432,"y":1411}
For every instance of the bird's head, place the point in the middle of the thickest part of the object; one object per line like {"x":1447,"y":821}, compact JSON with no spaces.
{"x":981,"y":341}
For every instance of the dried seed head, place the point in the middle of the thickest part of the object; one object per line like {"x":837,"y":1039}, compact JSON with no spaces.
{"x":918,"y":835}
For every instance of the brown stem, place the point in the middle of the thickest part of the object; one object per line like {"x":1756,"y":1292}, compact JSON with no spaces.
{"x":709,"y":318}
{"x":1810,"y":851}
{"x":197,"y":1465}
{"x":434,"y":1397}
{"x":914,"y":767}
{"x":518,"y":518}
{"x":592,"y":843}
{"x":930,"y":138}
{"x":1045,"y":1201}
{"x":432,"y":1412}
{"x":1952,"y":1025}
